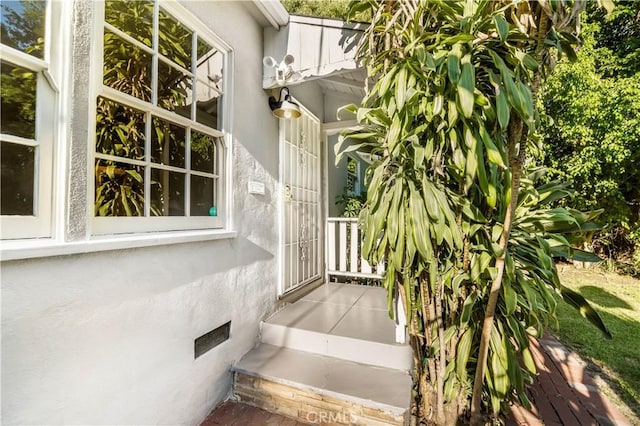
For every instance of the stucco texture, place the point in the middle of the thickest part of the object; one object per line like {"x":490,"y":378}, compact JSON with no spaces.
{"x":107,"y":337}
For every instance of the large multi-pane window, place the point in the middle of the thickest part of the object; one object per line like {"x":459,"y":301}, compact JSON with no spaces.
{"x":160,"y":123}
{"x":26,"y":119}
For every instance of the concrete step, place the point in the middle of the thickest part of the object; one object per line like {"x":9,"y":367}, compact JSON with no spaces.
{"x":344,"y":321}
{"x":320,"y":389}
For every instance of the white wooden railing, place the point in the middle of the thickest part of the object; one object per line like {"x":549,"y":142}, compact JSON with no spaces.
{"x":344,"y":259}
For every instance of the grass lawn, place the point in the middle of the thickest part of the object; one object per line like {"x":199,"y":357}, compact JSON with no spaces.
{"x":617,"y":300}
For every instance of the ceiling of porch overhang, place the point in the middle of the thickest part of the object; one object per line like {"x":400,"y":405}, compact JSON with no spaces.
{"x":349,"y":83}
{"x":323,"y":50}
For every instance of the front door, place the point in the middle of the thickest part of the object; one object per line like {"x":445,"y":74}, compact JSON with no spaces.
{"x":301,"y":245}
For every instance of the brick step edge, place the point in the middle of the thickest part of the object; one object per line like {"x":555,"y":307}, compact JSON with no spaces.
{"x":307,"y":406}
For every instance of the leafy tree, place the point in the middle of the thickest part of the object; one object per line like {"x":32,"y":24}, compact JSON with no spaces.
{"x":465,"y":225}
{"x":592,"y":125}
{"x":617,"y":37}
{"x":338,"y":9}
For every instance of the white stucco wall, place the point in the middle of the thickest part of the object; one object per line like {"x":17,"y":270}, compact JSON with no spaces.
{"x":107,"y":337}
{"x":310,"y":95}
{"x":333,"y":102}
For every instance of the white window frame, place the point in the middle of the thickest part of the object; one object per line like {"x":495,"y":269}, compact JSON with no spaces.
{"x":139,"y":224}
{"x":39,"y":225}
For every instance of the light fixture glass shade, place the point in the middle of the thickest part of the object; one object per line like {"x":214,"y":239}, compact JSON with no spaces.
{"x":287,"y":109}
{"x":284,"y":107}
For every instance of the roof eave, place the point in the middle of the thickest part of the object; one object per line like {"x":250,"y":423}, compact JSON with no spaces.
{"x":274,"y":12}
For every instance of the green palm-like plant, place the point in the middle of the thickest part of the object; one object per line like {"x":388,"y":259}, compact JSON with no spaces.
{"x":468,"y":240}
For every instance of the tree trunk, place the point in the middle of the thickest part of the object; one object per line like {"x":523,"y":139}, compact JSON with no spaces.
{"x":516,"y":136}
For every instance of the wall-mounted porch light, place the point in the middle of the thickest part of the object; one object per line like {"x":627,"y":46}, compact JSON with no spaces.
{"x":284,"y":107}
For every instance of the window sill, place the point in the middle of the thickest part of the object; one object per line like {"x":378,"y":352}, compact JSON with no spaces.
{"x":30,"y":249}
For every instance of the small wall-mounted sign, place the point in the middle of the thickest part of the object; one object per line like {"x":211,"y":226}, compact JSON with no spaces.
{"x":256,"y":188}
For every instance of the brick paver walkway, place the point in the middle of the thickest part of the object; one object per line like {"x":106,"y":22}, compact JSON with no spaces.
{"x":562,"y":394}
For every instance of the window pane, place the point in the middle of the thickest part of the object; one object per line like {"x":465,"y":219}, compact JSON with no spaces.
{"x":119,"y":130}
{"x":22,"y":25}
{"x":209,"y":102}
{"x":202,"y":197}
{"x":209,"y":64}
{"x":18,"y":92}
{"x":132,"y":17}
{"x":16,"y":179}
{"x":174,"y":40}
{"x":126,"y":68}
{"x":203,"y":151}
{"x":209,"y":73}
{"x":174,"y":90}
{"x":167,"y":143}
{"x":119,"y":189}
{"x":167,"y":193}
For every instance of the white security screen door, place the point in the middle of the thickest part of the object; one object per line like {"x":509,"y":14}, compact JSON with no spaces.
{"x":302,"y":253}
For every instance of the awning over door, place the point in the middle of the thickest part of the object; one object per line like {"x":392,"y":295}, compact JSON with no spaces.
{"x":321,"y":49}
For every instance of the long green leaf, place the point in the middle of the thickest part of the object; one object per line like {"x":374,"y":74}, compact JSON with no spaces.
{"x":464,"y":352}
{"x":401,"y":87}
{"x":502,"y":27}
{"x":466,"y":86}
{"x":420,"y":223}
{"x":576,"y":300}
{"x":453,"y":64}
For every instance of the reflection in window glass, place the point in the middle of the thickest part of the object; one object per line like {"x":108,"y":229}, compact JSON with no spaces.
{"x":119,"y":189}
{"x":207,"y":105}
{"x":202,"y":198}
{"x":127,"y":68}
{"x":209,"y":64}
{"x":209,"y":86}
{"x":174,"y":90}
{"x":203,"y":49}
{"x":174,"y":40}
{"x":119,"y":130}
{"x":181,"y":86}
{"x":202,"y":152}
{"x":135,"y":18}
{"x":22,"y":25}
{"x":17,"y":179}
{"x":167,"y":193}
{"x":18,"y":110}
{"x":167,"y":143}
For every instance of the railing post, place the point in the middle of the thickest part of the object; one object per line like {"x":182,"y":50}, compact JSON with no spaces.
{"x":331,"y":245}
{"x":342,"y":246}
{"x":401,"y":319}
{"x":354,"y":249}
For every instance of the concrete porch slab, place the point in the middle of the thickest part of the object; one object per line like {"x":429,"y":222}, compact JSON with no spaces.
{"x":346,"y":321}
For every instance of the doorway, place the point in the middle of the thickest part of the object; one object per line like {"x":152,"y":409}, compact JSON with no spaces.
{"x":301,"y":225}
